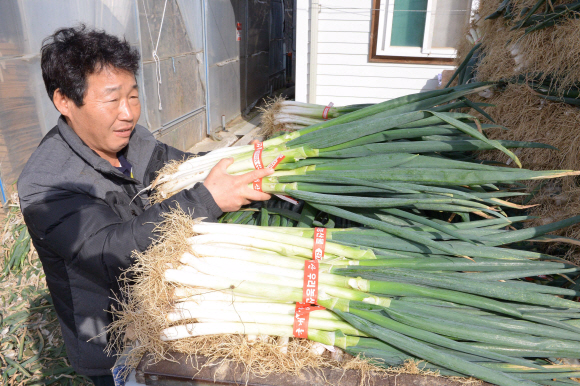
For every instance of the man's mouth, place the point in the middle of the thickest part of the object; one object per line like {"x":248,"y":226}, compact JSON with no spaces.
{"x":123,"y":132}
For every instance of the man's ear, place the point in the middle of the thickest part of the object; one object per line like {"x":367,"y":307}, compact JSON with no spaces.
{"x":61,"y":102}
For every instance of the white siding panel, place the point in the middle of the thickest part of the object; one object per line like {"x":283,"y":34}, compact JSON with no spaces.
{"x":362,"y":92}
{"x":340,"y":15}
{"x":360,"y":60}
{"x":345,"y":5}
{"x":302,"y":49}
{"x":377,"y":82}
{"x":343,"y":37}
{"x":347,"y":100}
{"x":343,"y":48}
{"x":351,"y":26}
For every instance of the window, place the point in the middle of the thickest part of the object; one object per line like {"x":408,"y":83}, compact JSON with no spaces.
{"x":417,"y":31}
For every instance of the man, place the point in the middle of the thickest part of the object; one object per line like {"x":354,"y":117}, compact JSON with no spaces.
{"x":79,"y":190}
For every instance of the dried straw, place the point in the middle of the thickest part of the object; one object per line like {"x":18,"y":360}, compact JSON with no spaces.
{"x":269,"y":111}
{"x":530,"y":118}
{"x":551,"y":51}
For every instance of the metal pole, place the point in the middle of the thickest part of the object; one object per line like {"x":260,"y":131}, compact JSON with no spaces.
{"x":314,"y":11}
{"x":205,"y":61}
{"x":142,"y":93}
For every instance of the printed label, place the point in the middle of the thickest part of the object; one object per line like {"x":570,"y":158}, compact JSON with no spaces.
{"x":257,"y":156}
{"x":277,"y":161}
{"x":327,"y":110}
{"x":258,"y":164}
{"x":287,"y":198}
{"x":310,"y":286}
{"x":301,"y":317}
{"x":319,"y":243}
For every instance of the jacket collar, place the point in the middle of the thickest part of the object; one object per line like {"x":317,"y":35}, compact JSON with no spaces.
{"x":135,"y":149}
{"x":82,"y":150}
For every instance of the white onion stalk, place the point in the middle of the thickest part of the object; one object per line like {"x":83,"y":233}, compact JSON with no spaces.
{"x":283,"y":344}
{"x":234,"y":286}
{"x":270,"y":270}
{"x":301,"y":120}
{"x":210,"y":250}
{"x":230,"y":270}
{"x":177,"y":185}
{"x":227,"y":152}
{"x":302,"y":110}
{"x":261,"y":317}
{"x":274,"y":319}
{"x":200,"y":329}
{"x":293,"y":126}
{"x":251,"y":249}
{"x":199,"y":295}
{"x":244,"y":255}
{"x":274,"y":246}
{"x":332,"y":248}
{"x":266,"y":307}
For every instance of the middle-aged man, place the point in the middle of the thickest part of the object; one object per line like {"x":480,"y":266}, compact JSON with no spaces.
{"x":77,"y":190}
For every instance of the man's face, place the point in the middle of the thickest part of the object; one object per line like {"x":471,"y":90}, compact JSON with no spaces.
{"x":110,"y":112}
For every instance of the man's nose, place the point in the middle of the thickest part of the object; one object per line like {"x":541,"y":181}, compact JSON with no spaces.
{"x":125,"y":112}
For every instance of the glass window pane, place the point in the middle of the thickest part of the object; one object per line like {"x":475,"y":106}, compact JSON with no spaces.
{"x":408,"y":23}
{"x":449,"y":21}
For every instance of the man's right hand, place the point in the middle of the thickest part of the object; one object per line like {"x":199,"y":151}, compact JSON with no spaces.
{"x":231,"y":192}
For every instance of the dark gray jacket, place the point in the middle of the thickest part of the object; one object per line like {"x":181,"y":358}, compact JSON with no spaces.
{"x":84,"y":226}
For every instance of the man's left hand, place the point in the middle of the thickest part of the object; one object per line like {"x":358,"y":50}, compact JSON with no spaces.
{"x":231,"y":192}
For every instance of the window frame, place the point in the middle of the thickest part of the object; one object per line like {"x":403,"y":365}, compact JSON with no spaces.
{"x":410,"y":55}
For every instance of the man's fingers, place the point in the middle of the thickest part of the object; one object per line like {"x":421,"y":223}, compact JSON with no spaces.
{"x":252,"y":176}
{"x":255,"y":195}
{"x":224,"y":164}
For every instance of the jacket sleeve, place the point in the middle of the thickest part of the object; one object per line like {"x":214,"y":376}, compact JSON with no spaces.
{"x":87,"y":233}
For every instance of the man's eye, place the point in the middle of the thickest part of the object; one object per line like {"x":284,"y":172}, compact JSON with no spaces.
{"x":113,"y":100}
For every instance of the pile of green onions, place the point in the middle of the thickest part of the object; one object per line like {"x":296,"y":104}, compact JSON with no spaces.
{"x":468,"y":317}
{"x":403,"y":284}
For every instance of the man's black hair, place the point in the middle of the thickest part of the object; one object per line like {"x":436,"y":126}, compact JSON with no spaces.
{"x":70,"y":55}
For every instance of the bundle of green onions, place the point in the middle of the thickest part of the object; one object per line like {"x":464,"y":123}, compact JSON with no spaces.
{"x":392,"y":132}
{"x":286,"y":115}
{"x":467,"y":317}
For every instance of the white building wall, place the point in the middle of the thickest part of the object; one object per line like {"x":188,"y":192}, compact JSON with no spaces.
{"x":344,"y":74}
